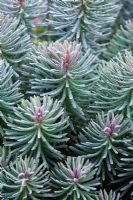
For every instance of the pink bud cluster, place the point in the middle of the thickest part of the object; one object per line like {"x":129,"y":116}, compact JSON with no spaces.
{"x":109,"y":130}
{"x":67,"y":60}
{"x":39,"y":114}
{"x":27,"y":175}
{"x":21,"y":2}
{"x":75,"y":175}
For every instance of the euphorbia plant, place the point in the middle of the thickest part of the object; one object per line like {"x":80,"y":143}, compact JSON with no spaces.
{"x":63,"y":71}
{"x":105,"y":141}
{"x":25,"y":179}
{"x":74,"y":180}
{"x":36,"y":128}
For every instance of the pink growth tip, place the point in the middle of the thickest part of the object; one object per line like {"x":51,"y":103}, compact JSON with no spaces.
{"x":27,"y":175}
{"x":67,"y":60}
{"x":75,"y":175}
{"x":39,"y":114}
{"x":109,"y":130}
{"x":21,"y":2}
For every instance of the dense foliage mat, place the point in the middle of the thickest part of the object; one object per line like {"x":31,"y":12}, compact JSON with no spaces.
{"x":66,"y":99}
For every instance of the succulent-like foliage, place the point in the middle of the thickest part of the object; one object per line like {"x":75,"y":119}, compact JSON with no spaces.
{"x":123,"y":39}
{"x":105,"y":142}
{"x":9,"y":90}
{"x":75,"y":56}
{"x":125,"y":175}
{"x":25,"y":10}
{"x":64,"y":72}
{"x":103,"y":195}
{"x":25,"y":179}
{"x":114,"y":91}
{"x":37,"y":127}
{"x":82,"y":20}
{"x":14,"y":40}
{"x":74,"y":180}
{"x":5,"y":157}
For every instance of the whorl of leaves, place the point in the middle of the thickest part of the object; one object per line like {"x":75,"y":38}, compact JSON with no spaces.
{"x":25,"y":179}
{"x":74,"y":180}
{"x":105,"y":141}
{"x":64,"y":72}
{"x":36,"y":128}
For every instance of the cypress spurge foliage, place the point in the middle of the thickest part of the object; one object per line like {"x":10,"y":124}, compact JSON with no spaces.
{"x":14,"y":40}
{"x":103,"y":195}
{"x":9,"y":90}
{"x":123,"y":39}
{"x":83,"y":103}
{"x":5,"y":157}
{"x":26,"y":11}
{"x":105,"y":142}
{"x":82,"y":21}
{"x":74,"y":180}
{"x":64,"y":72}
{"x":25,"y":179}
{"x":114,"y":91}
{"x":37,"y":127}
{"x":124,"y":179}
